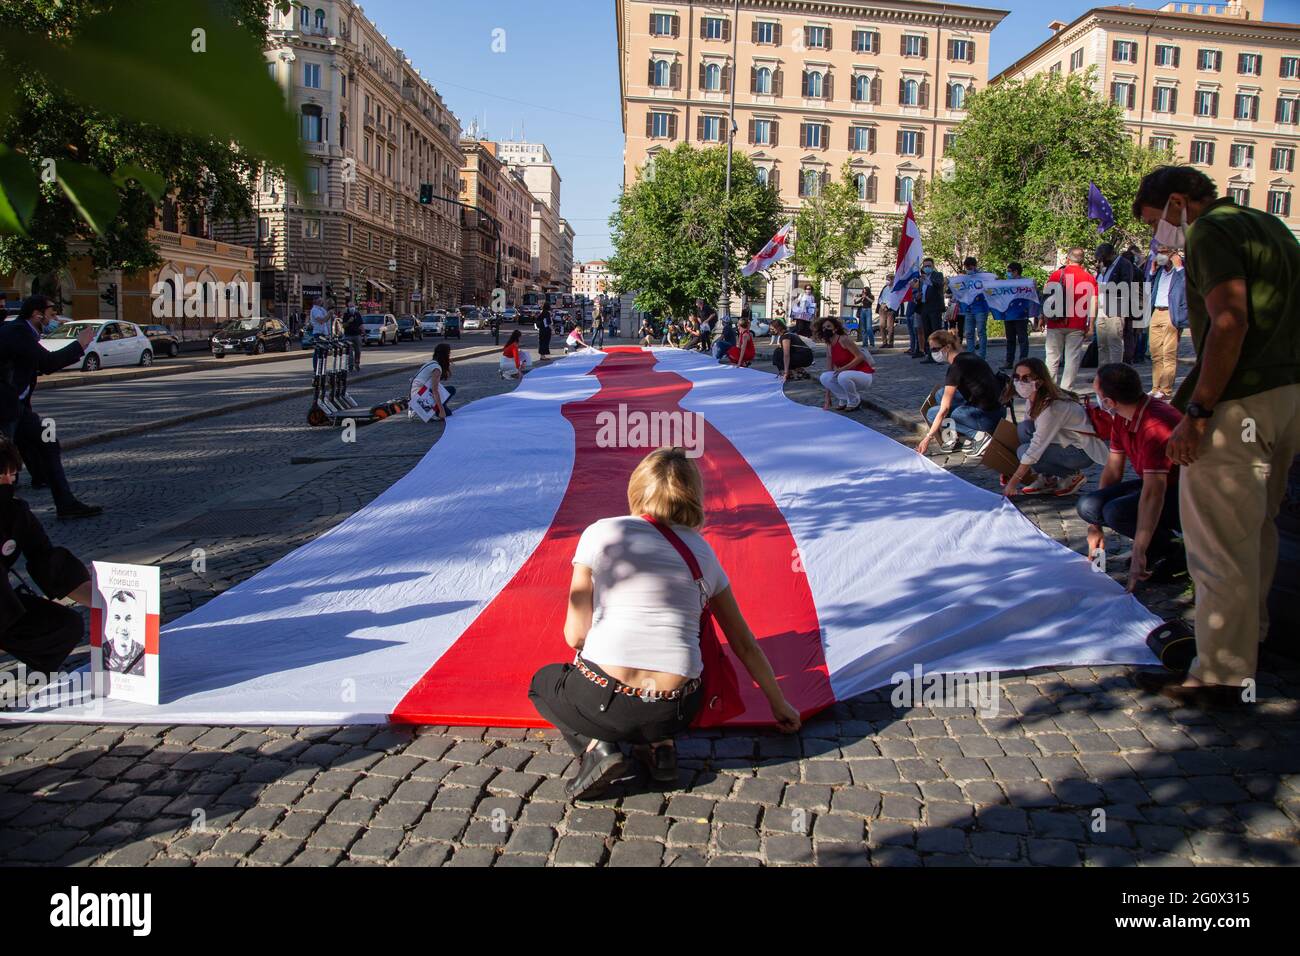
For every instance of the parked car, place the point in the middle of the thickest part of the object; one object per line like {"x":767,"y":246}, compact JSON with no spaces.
{"x":380,"y":329}
{"x":432,"y":323}
{"x":163,"y":340}
{"x":408,"y":327}
{"x":115,"y":343}
{"x":253,"y":336}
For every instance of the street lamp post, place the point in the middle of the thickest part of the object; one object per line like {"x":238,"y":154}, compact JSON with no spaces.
{"x":731,"y":140}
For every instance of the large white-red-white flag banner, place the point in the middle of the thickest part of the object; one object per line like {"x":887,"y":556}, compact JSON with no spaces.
{"x":908,"y":264}
{"x":777,"y":248}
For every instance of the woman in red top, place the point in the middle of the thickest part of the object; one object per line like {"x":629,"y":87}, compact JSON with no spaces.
{"x":514,"y":360}
{"x":850,"y":366}
{"x":742,"y":353}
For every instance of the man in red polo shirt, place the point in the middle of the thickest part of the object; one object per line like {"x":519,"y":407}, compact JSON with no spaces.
{"x":1069,"y":307}
{"x":1144,"y":508}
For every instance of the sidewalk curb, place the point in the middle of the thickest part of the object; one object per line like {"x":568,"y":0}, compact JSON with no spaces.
{"x":143,"y":427}
{"x":162,"y":371}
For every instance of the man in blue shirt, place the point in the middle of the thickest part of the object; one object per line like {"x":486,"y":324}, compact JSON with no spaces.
{"x":1016,"y":320}
{"x":975,"y":317}
{"x":1167,"y":296}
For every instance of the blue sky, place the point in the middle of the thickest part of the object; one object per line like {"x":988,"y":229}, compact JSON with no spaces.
{"x":557,"y":78}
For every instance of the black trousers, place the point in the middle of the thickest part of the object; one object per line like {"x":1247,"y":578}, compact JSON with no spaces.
{"x":1116,"y":507}
{"x":44,"y":460}
{"x":544,"y":341}
{"x":798,"y":359}
{"x":580,"y":708}
{"x":45,"y":635}
{"x":1017,"y":334}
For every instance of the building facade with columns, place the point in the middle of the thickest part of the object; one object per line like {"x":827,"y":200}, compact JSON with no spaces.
{"x":374,"y":131}
{"x":879,"y":85}
{"x":1215,"y":83}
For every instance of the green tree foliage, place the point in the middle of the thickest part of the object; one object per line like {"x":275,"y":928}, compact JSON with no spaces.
{"x":672,"y":225}
{"x":831,"y":230}
{"x":105,"y":105}
{"x":1022,"y":162}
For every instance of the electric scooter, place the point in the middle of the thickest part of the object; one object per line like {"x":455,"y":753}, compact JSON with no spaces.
{"x":332,"y":404}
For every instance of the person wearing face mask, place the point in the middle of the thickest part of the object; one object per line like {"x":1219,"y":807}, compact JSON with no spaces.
{"x":22,"y":360}
{"x":1241,"y":430}
{"x":971,"y":401}
{"x":850,"y":366}
{"x":1057,"y":439}
{"x":803,"y":312}
{"x":1167,"y":296}
{"x":35,"y":629}
{"x":1069,"y":305}
{"x":1016,"y":321}
{"x":929,"y":307}
{"x":1146,"y":508}
{"x":975,"y":316}
{"x":1116,"y":304}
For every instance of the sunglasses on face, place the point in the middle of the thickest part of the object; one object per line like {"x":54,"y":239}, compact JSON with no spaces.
{"x":1025,"y":378}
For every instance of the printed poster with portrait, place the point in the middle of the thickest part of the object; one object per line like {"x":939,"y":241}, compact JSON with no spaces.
{"x":124,"y":616}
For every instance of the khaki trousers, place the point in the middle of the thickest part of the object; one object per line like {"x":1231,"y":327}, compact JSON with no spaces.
{"x":1163,"y":345}
{"x":1110,"y":339}
{"x":1228,"y":499}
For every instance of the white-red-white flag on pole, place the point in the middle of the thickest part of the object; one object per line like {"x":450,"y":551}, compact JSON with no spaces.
{"x":908,"y":264}
{"x":777,"y":248}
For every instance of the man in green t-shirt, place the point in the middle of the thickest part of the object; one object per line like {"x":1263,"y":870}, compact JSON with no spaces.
{"x":1241,"y":424}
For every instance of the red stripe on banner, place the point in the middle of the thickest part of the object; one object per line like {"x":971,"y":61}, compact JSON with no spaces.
{"x":483,"y":679}
{"x":96,"y":627}
{"x":151,"y":634}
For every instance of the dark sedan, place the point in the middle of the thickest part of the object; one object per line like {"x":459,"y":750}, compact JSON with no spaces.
{"x":253,"y":336}
{"x":163,"y":340}
{"x":408,"y":328}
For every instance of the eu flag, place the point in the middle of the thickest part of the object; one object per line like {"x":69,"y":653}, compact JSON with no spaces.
{"x":1099,"y":209}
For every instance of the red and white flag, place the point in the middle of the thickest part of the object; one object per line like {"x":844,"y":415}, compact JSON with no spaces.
{"x":908,"y":264}
{"x":777,"y":248}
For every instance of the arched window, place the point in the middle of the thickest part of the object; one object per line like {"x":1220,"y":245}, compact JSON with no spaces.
{"x":663,"y":73}
{"x":860,"y":183}
{"x":304,"y":17}
{"x":762,"y":172}
{"x":862,"y":88}
{"x":911,"y":93}
{"x":905,"y":189}
{"x":763,"y":80}
{"x":312,"y":124}
{"x":957,"y":96}
{"x":320,"y":19}
{"x":713,"y":77}
{"x":814,"y":84}
{"x":811,"y":181}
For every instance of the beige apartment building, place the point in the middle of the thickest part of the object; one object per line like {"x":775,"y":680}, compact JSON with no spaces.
{"x":481,"y":233}
{"x":373,"y":130}
{"x":592,"y":278}
{"x":879,"y":85}
{"x":1215,"y":83}
{"x":533,"y":162}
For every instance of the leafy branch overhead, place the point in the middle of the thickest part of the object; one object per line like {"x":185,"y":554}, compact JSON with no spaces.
{"x":85,"y":82}
{"x":831,"y":229}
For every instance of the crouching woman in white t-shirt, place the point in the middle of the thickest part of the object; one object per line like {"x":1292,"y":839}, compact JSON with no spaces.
{"x":634,"y":618}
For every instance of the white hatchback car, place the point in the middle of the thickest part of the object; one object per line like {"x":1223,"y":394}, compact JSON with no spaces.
{"x":115,"y":343}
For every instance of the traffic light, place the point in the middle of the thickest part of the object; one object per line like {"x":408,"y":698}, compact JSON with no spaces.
{"x":426,"y":193}
{"x":109,"y":294}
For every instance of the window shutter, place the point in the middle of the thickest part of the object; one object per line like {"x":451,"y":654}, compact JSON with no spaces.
{"x":652,"y":24}
{"x":726,"y":78}
{"x":753,"y":32}
{"x":774,"y":180}
{"x":948,"y":96}
{"x":925,"y":47}
{"x":776,"y":34}
{"x":649,"y":124}
{"x":1277,"y":113}
{"x":726,"y":29}
{"x":776,"y":138}
{"x":920,"y":144}
{"x":1155,"y":97}
{"x":826,"y":136}
{"x":970,"y":51}
{"x":828,"y":43}
{"x":699,"y":128}
{"x":704,"y":29}
{"x":853,"y":89}
{"x":902,"y":92}
{"x":752,"y":141}
{"x":672,"y":125}
{"x":951,"y":47}
{"x":675,"y":75}
{"x":925,"y":93}
{"x":852,"y":131}
{"x":1214,"y":105}
{"x":875,"y":90}
{"x":825,"y":178}
{"x":778,"y":82}
{"x":1209,"y":158}
{"x":753,"y":79}
{"x":1176,"y":56}
{"x":803,"y":88}
{"x":1218,"y":60}
{"x":898,"y":189}
{"x":898,"y":143}
{"x":1191,"y":152}
{"x":1254,"y":107}
{"x":677,"y":26}
{"x":828,"y":87}
{"x":702,"y":70}
{"x":651,"y":80}
{"x":871,"y":139}
{"x":902,"y":46}
{"x":1173,"y":100}
{"x":871,"y":188}
{"x":803,"y":135}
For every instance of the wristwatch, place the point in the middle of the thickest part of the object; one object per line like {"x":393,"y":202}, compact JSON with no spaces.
{"x":1197,"y":410}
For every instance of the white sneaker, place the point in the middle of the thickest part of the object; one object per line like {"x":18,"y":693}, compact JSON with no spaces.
{"x":980,"y":441}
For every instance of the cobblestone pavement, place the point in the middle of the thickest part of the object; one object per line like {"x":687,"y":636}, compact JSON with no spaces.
{"x":1075,"y":768}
